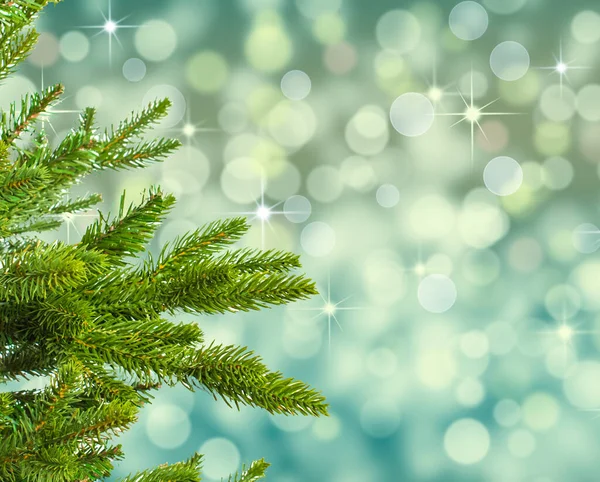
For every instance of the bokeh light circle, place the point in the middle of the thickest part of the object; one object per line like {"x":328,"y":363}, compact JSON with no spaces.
{"x":398,"y":30}
{"x":46,"y":50}
{"x":468,"y":20}
{"x":292,"y":123}
{"x":168,"y":426}
{"x":412,"y":114}
{"x":503,"y":176}
{"x":437,"y":293}
{"x":557,"y":173}
{"x":207,"y":72}
{"x":504,"y":7}
{"x":507,"y":413}
{"x":562,"y":302}
{"x":467,"y":441}
{"x":380,"y":417}
{"x":324,"y":183}
{"x":297,"y":209}
{"x":295,"y":85}
{"x":74,"y":46}
{"x":387,"y":195}
{"x":588,"y":102}
{"x":268,"y":47}
{"x":88,"y":96}
{"x":241,"y":180}
{"x":557,"y":103}
{"x":318,"y":239}
{"x":314,"y":8}
{"x":470,"y":392}
{"x":155,"y":40}
{"x":221,"y":458}
{"x":585,"y":27}
{"x":521,"y":443}
{"x":582,"y":387}
{"x":586,"y":238}
{"x":509,"y":60}
{"x":134,"y":69}
{"x":541,"y":411}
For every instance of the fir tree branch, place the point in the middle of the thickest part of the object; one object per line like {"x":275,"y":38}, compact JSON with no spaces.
{"x":17,"y":48}
{"x":140,"y":155}
{"x":21,"y":184}
{"x":114,"y":154}
{"x":200,"y":243}
{"x":188,"y":471}
{"x":32,"y":105}
{"x":34,"y":273}
{"x":256,"y":471}
{"x":81,"y":204}
{"x":239,"y":376}
{"x":128,"y":233}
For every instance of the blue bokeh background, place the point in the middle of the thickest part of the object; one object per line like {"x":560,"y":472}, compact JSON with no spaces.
{"x":436,"y":165}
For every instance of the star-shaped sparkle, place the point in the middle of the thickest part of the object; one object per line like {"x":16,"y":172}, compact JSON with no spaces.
{"x":45,"y":116}
{"x":330,"y":308}
{"x":110,"y":26}
{"x":561,"y":67}
{"x":69,"y":220}
{"x":263,"y":212}
{"x":473,"y":113}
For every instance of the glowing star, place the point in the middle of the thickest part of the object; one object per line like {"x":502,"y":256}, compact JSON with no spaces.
{"x":263,"y":212}
{"x":330,"y":309}
{"x":435,"y":92}
{"x":565,"y":333}
{"x":420,"y":269}
{"x":561,"y":67}
{"x":110,"y":27}
{"x":472,"y":114}
{"x":189,"y":130}
{"x":69,"y":220}
{"x":45,"y":116}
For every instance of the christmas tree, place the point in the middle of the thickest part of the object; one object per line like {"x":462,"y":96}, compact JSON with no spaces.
{"x":89,"y":321}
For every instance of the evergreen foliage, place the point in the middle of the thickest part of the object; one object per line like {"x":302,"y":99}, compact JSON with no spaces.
{"x":84,"y":317}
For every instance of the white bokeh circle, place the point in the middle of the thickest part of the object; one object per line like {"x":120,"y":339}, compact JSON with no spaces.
{"x":295,"y":85}
{"x":318,"y":239}
{"x":380,"y":417}
{"x":387,"y":195}
{"x":503,"y":176}
{"x":467,"y":441}
{"x":509,"y":60}
{"x":155,"y":40}
{"x":468,"y":20}
{"x":588,"y":102}
{"x":74,"y":46}
{"x":412,"y":114}
{"x":437,"y":293}
{"x":504,"y":7}
{"x":297,"y":209}
{"x":134,"y":69}
{"x":398,"y":30}
{"x":221,"y":458}
{"x":168,"y":426}
{"x":585,"y":27}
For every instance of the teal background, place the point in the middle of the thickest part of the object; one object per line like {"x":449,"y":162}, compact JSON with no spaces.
{"x":500,"y":383}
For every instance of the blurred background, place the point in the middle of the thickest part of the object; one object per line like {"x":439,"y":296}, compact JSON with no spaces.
{"x":435,"y":163}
